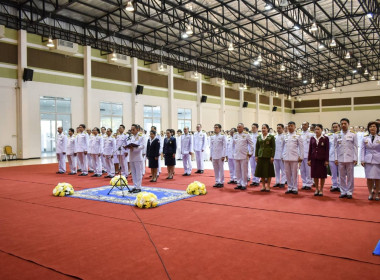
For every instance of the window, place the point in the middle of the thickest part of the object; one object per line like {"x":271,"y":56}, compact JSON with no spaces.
{"x":184,"y":118}
{"x":111,"y":115}
{"x":152,"y":116}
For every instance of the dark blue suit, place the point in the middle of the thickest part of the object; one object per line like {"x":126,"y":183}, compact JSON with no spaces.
{"x":170,"y":148}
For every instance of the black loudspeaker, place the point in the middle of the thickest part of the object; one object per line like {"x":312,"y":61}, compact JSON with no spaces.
{"x":245,"y":104}
{"x":274,"y":109}
{"x":203,"y":98}
{"x":28,"y":74}
{"x":139,"y":89}
{"x":293,"y":112}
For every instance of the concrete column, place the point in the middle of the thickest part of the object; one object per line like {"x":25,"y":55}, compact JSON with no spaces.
{"x":21,"y":95}
{"x":241,"y":94}
{"x":134,"y":97}
{"x":222,"y":110}
{"x":257,"y":120}
{"x":199,"y":96}
{"x":87,"y":87}
{"x":172,"y":118}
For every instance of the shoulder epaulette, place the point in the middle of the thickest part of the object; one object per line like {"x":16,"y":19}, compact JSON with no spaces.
{"x":329,"y":134}
{"x":352,"y":131}
{"x":140,"y":134}
{"x":337,"y":132}
{"x":245,"y":132}
{"x":366,"y":134}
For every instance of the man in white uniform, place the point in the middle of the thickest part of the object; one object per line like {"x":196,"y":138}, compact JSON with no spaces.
{"x":135,"y":156}
{"x":178,"y":141}
{"x":218,"y":146}
{"x":109,"y":150}
{"x":252,"y":161}
{"x":60,"y":148}
{"x":360,"y":136}
{"x":72,"y":152}
{"x":89,"y":158}
{"x":230,"y":156}
{"x":333,"y":167}
{"x":200,"y":142}
{"x":242,"y":144}
{"x":103,"y":131}
{"x":121,"y":152}
{"x":305,"y":169}
{"x":82,"y":139}
{"x":292,"y":154}
{"x":278,"y":163}
{"x":186,"y":151}
{"x":96,"y":151}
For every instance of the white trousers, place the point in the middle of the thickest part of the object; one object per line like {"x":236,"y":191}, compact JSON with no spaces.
{"x":136,"y":173}
{"x":199,"y":159}
{"x":306,"y":174}
{"x":82,"y":162}
{"x":241,"y":171}
{"x":280,"y":171}
{"x":72,"y":163}
{"x":334,"y":174}
{"x":90,"y":162}
{"x":231,"y":167}
{"x":96,"y":164}
{"x":187,"y":163}
{"x":253,"y":164}
{"x":103,"y":162}
{"x":123,"y":164}
{"x":346,"y":177}
{"x":218,"y":165}
{"x":109,"y":165}
{"x":291,"y":171}
{"x":61,"y":158}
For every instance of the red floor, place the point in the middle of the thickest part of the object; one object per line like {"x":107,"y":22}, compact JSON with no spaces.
{"x":226,"y":234}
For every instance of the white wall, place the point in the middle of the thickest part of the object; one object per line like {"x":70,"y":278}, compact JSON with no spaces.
{"x":8,"y":119}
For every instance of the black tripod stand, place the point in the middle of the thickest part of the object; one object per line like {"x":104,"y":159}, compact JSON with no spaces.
{"x":122,"y":186}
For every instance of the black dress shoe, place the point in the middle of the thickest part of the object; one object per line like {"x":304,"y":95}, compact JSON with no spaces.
{"x":252,"y":184}
{"x":256,"y":184}
{"x":288,"y":192}
{"x":216,"y":185}
{"x":135,"y":190}
{"x":281,"y":186}
{"x":201,"y":172}
{"x":107,"y":176}
{"x":238,"y":187}
{"x":185,"y":174}
{"x":343,"y":196}
{"x":308,"y":188}
{"x":303,"y":188}
{"x":243,"y":188}
{"x":286,"y":182}
{"x":94,"y":175}
{"x":91,"y":171}
{"x":220,"y":185}
{"x":79,"y":170}
{"x":276,"y":186}
{"x":103,"y":171}
{"x":349,"y":196}
{"x":82,"y":174}
{"x":294,"y":192}
{"x":198,"y":171}
{"x":334,"y":190}
{"x":231,"y":182}
{"x":72,"y":173}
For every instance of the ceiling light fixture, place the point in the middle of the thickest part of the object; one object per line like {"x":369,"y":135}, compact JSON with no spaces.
{"x":185,"y":35}
{"x":256,"y":63}
{"x":296,"y":27}
{"x":299,"y":99}
{"x":321,"y":46}
{"x":282,"y":68}
{"x":259,"y":58}
{"x":268,"y":7}
{"x":284,"y":3}
{"x":333,"y":43}
{"x":323,"y":86}
{"x":369,"y":15}
{"x":348,"y":55}
{"x":189,"y":29}
{"x":50,"y":43}
{"x":314,"y":26}
{"x":373,"y":78}
{"x":299,"y":75}
{"x":289,"y":97}
{"x":276,"y":94}
{"x":231,"y":46}
{"x":129,"y":7}
{"x":359,"y":65}
{"x":333,"y":89}
{"x":354,"y":71}
{"x":114,"y":56}
{"x":305,"y":82}
{"x":312,"y":81}
{"x":366,"y":72}
{"x":378,"y":82}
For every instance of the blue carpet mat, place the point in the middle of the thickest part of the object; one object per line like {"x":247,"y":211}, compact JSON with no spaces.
{"x":377,"y":249}
{"x":164,"y":196}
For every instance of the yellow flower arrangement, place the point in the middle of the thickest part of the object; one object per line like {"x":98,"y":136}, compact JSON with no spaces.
{"x":63,"y":189}
{"x":119,"y":183}
{"x":196,"y":188}
{"x":146,"y":200}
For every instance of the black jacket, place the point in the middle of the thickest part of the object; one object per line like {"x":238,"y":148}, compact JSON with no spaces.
{"x":170,"y":146}
{"x":153,"y":148}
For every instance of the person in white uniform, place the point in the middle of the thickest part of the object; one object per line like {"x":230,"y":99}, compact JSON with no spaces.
{"x":346,"y":157}
{"x":96,"y":151}
{"x":103,"y":131}
{"x":160,"y":138}
{"x":82,"y":139}
{"x":109,"y":149}
{"x":135,"y":156}
{"x":60,"y":150}
{"x":121,"y":151}
{"x":278,"y":163}
{"x":186,"y":151}
{"x":230,"y":156}
{"x":292,"y":154}
{"x":178,"y":141}
{"x":333,"y":167}
{"x":360,"y":136}
{"x":200,"y":142}
{"x":306,"y":135}
{"x":218,"y":145}
{"x":71,"y":152}
{"x":252,"y":161}
{"x":89,"y":158}
{"x":243,"y":146}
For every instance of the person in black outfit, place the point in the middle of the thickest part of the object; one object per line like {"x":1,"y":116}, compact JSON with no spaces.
{"x":170,"y":147}
{"x":153,"y":153}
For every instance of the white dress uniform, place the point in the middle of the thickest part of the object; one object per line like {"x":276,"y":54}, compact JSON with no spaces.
{"x":103,"y":158}
{"x":161,"y":150}
{"x":95,"y":151}
{"x":333,"y":167}
{"x":252,"y":161}
{"x":109,"y":150}
{"x":346,"y":152}
{"x":360,"y":136}
{"x":292,"y":150}
{"x":242,"y":144}
{"x":230,"y":156}
{"x":305,"y":168}
{"x":121,"y":142}
{"x":178,"y":154}
{"x":200,"y":142}
{"x":146,"y":139}
{"x":89,"y":158}
{"x":71,"y":150}
{"x":371,"y":156}
{"x":82,"y":146}
{"x":60,"y":149}
{"x":186,"y":149}
{"x":136,"y":158}
{"x":206,"y":153}
{"x":218,"y":146}
{"x":278,"y":163}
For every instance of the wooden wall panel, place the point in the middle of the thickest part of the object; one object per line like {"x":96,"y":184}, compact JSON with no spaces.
{"x":185,"y":85}
{"x":306,"y":103}
{"x":8,"y":53}
{"x":152,"y":79}
{"x":277,"y":102}
{"x":367,"y":100}
{"x":264,"y":99}
{"x":288,"y":104}
{"x":233,"y":94}
{"x":109,"y":71}
{"x":210,"y":90}
{"x":249,"y":96}
{"x":336,"y":102}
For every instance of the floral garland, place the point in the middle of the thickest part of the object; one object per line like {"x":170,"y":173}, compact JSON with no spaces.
{"x":146,"y":200}
{"x":196,"y":188}
{"x":119,"y":182}
{"x":63,"y":189}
